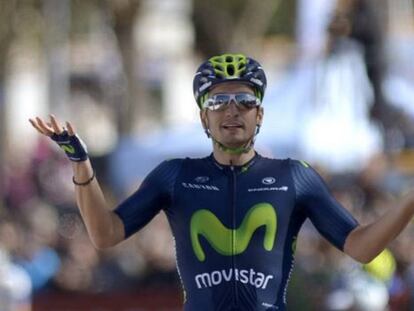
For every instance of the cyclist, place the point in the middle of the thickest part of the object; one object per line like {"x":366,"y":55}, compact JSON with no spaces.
{"x":234,"y":214}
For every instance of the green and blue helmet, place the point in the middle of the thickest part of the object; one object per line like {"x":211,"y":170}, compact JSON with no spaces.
{"x":228,"y":68}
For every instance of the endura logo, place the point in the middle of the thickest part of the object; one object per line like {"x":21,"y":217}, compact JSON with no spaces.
{"x":214,"y":278}
{"x":268,"y":181}
{"x":229,"y":242}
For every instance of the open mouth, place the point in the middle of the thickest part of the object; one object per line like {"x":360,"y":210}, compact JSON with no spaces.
{"x":230,"y":126}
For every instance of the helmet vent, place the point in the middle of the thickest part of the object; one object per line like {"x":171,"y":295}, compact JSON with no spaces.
{"x":230,"y":70}
{"x":229,"y":59}
{"x":218,"y":67}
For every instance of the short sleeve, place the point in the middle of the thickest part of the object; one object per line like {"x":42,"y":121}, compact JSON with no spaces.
{"x":155,"y":193}
{"x":329,"y":217}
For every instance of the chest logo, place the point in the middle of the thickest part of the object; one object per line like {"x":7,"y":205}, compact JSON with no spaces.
{"x":227,"y":241}
{"x":268,"y":181}
{"x":201,"y":179}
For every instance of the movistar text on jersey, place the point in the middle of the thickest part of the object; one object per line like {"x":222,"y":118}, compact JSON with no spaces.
{"x":216,"y":277}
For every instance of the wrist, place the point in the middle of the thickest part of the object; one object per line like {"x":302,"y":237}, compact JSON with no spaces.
{"x":86,"y":182}
{"x":82,"y":170}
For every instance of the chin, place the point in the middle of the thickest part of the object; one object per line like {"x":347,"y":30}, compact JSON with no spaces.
{"x":234,"y":143}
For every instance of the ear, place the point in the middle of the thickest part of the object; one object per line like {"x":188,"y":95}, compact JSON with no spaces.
{"x":259,"y":117}
{"x":203,"y":118}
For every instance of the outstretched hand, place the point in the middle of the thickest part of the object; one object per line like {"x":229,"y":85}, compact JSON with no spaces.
{"x":67,"y":139}
{"x":52,"y":127}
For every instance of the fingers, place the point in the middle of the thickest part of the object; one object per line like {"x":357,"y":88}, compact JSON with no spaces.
{"x":69,"y":126}
{"x":49,"y":128}
{"x":34,"y":124}
{"x":44,"y":128}
{"x":55,"y":125}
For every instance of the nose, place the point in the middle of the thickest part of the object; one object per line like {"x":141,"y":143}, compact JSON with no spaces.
{"x":232,"y":108}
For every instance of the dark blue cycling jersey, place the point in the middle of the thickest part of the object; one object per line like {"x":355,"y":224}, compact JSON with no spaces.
{"x":235,"y":228}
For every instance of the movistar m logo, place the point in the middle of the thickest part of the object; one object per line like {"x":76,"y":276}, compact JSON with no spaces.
{"x":68,"y":148}
{"x":205,"y":223}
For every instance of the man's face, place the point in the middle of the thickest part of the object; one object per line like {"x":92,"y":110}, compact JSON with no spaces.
{"x":233,"y":126}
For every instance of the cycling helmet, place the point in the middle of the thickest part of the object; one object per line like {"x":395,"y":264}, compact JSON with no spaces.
{"x":225,"y":68}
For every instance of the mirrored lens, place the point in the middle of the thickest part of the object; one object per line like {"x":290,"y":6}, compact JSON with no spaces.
{"x":216,"y":103}
{"x":247,"y":100}
{"x":242,"y":100}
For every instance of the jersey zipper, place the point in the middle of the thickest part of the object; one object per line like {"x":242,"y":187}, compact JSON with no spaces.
{"x":233,"y":237}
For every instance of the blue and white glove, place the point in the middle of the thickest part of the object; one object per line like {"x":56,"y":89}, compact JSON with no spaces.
{"x":73,"y":146}
{"x":66,"y":138}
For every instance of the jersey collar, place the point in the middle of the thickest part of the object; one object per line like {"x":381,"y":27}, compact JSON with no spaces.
{"x":238,"y":168}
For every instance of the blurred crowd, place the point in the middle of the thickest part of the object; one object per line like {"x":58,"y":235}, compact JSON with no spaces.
{"x":336,"y":281}
{"x":42,"y":235}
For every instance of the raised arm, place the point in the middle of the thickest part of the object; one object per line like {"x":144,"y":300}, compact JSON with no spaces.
{"x":361,"y":242}
{"x":365,"y":242}
{"x":104,"y":227}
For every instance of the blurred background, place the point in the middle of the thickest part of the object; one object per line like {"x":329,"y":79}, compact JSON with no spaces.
{"x":340,"y":95}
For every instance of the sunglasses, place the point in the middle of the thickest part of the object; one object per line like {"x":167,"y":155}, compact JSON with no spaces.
{"x":243,"y":101}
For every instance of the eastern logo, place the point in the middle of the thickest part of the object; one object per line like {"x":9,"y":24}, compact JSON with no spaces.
{"x":200,"y":184}
{"x":205,"y":223}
